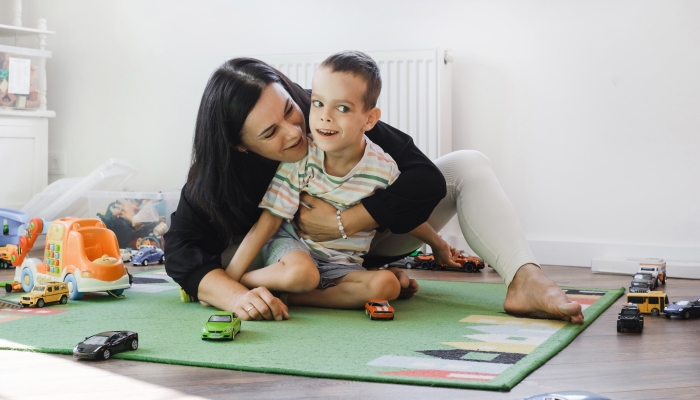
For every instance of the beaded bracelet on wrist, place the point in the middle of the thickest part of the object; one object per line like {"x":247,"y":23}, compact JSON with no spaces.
{"x":340,"y":225}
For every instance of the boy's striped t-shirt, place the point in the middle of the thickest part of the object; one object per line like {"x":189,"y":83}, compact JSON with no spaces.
{"x":376,"y":170}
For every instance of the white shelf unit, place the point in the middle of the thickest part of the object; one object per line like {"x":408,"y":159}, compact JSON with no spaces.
{"x":24,"y":134}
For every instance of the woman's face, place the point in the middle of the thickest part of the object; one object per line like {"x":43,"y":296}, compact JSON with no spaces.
{"x":275,"y":127}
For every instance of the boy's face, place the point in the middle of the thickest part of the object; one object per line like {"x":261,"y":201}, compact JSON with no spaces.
{"x":338,"y":119}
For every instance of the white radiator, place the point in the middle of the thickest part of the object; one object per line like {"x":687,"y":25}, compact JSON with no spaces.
{"x":416,"y":91}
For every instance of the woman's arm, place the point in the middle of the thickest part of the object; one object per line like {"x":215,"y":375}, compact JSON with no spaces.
{"x":254,"y":241}
{"x":401,"y":207}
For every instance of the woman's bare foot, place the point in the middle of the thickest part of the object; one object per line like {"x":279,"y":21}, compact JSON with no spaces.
{"x":532,"y":293}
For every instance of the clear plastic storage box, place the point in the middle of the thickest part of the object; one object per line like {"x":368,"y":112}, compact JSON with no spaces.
{"x":137,"y":218}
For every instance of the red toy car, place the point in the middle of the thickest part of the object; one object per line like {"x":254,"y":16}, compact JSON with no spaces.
{"x":468,"y":263}
{"x":13,"y":287}
{"x":379,"y":309}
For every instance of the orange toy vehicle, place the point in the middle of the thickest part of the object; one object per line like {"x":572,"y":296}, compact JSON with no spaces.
{"x":13,"y":287}
{"x":81,"y":252}
{"x":379,"y":309}
{"x":468,"y":263}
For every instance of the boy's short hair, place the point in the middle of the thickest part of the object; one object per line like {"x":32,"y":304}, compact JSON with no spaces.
{"x":359,"y":64}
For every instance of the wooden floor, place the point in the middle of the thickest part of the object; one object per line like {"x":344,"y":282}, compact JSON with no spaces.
{"x":661,"y":363}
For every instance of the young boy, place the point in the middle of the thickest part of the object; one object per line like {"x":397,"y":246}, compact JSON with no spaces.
{"x":342,"y":167}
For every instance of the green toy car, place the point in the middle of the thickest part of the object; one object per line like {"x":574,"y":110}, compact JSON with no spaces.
{"x":221,"y":325}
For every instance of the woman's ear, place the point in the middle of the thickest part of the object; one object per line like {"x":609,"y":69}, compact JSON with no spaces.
{"x":239,"y":147}
{"x":372,"y":117}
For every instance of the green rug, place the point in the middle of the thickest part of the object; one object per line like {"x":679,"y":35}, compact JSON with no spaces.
{"x":451,"y":334}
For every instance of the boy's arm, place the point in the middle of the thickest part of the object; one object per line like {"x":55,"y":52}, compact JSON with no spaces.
{"x":254,"y":241}
{"x":443,"y":252}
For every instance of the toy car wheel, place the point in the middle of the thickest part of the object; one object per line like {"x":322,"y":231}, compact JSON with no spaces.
{"x":162,"y":260}
{"x":40,"y":303}
{"x":73,"y":292}
{"x":116,"y":292}
{"x":409,"y":265}
{"x":145,"y":263}
{"x":654,"y":311}
{"x":27,"y":280}
{"x":233,"y":336}
{"x":434,"y":266}
{"x":619,"y":328}
{"x":668,"y":316}
{"x":106,"y":354}
{"x":424,"y":265}
{"x":8,"y":287}
{"x":371,"y":317}
{"x":134,"y":344}
{"x":469,"y":267}
{"x":686,"y":315}
{"x":391,"y":319}
{"x":64,"y":299}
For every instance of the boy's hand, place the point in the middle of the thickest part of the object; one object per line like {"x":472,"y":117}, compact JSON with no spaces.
{"x":446,"y":255}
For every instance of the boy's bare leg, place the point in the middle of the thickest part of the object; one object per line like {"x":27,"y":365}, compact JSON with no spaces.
{"x":295,"y":272}
{"x":532,"y":293}
{"x":352,"y":291}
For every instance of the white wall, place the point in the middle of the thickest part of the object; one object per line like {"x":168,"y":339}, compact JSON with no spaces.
{"x":588,"y":110}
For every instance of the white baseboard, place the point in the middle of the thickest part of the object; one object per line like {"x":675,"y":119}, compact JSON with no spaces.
{"x":580,"y":254}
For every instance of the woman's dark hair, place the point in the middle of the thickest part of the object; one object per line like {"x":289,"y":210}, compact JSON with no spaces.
{"x":218,"y":176}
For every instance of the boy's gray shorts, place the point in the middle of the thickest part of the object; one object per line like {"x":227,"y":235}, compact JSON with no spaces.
{"x":281,"y":243}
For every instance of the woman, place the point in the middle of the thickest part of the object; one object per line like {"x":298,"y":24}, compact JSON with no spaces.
{"x":249,"y":105}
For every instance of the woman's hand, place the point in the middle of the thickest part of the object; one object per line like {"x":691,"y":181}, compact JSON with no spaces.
{"x":446,"y":255}
{"x":318,"y":223}
{"x":259,"y":304}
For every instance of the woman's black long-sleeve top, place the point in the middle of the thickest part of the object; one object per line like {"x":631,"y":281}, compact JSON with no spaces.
{"x":193,"y":247}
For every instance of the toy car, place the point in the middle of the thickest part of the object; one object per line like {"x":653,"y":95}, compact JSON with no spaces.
{"x":80,"y":252}
{"x":103,"y":345}
{"x":657,"y":271}
{"x":13,"y":287}
{"x":642,"y":283}
{"x":683,"y":308}
{"x":46,"y":293}
{"x":221,"y":325}
{"x":467,"y":263}
{"x":630,"y":319}
{"x":148,"y":254}
{"x":379,"y":309}
{"x":126,"y":254}
{"x":406,"y":262}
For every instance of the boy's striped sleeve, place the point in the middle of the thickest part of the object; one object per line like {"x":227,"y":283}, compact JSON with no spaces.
{"x":282,"y":196}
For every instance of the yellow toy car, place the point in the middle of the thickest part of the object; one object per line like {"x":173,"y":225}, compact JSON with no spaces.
{"x":47,"y":293}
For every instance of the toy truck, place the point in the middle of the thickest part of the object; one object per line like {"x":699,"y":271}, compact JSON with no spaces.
{"x":81,"y":252}
{"x":467,"y":263}
{"x":657,"y":271}
{"x":630,"y":319}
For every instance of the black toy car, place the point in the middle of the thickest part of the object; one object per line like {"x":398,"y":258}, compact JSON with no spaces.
{"x":684,"y":309}
{"x":642,"y":283}
{"x":103,"y":345}
{"x":630,"y":319}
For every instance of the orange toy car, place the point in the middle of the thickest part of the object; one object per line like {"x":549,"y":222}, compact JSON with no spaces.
{"x":468,"y":263}
{"x":13,"y":287}
{"x":379,"y":309}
